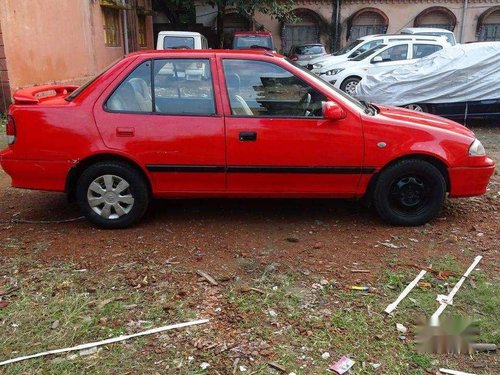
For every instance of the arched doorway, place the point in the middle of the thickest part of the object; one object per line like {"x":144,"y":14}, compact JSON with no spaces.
{"x":307,"y":30}
{"x":488,"y":25}
{"x":440,"y":17}
{"x":366,"y":21}
{"x":234,"y":22}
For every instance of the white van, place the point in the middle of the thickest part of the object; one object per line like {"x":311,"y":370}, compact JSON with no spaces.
{"x":362,"y":45}
{"x":431,"y":31}
{"x":181,"y":40}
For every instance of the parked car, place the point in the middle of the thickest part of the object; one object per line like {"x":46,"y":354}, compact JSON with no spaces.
{"x":362,"y":45}
{"x":383,"y":57}
{"x":253,"y":39}
{"x":181,"y":40}
{"x":303,"y":53}
{"x":431,"y":31}
{"x":255,"y":125}
{"x":461,"y":83}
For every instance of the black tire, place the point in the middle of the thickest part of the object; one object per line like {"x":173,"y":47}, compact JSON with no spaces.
{"x":348,"y":82}
{"x":409,"y":193}
{"x":135,"y":197}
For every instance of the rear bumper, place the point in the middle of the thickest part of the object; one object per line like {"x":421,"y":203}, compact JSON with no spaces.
{"x":470,"y":181}
{"x":35,"y":174}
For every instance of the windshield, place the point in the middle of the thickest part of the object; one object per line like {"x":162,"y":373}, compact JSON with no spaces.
{"x":364,"y":55}
{"x":178,"y":42}
{"x":349,"y":98}
{"x":77,"y":92}
{"x":309,"y":50}
{"x":250,"y":41}
{"x":347,"y":48}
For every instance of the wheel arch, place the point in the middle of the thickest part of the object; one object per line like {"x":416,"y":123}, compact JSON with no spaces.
{"x":76,"y":171}
{"x":434,"y":160}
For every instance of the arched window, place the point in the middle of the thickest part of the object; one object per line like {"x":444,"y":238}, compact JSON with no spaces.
{"x":489,"y":25}
{"x":234,"y":22}
{"x":305,"y":31}
{"x":440,"y":17}
{"x":366,"y":21}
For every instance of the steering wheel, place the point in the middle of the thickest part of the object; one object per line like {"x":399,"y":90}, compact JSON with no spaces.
{"x":304,"y":103}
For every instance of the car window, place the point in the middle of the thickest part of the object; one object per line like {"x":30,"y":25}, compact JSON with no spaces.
{"x":258,"y":88}
{"x":180,"y":86}
{"x":366,"y":47}
{"x":396,"y":53}
{"x":134,"y":93}
{"x":370,"y":52}
{"x":422,"y":50}
{"x":309,"y":50}
{"x":183,"y":86}
{"x":178,"y":42}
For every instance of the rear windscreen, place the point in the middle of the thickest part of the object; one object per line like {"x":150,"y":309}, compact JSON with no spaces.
{"x":178,"y":42}
{"x":246,"y":42}
{"x":309,"y":50}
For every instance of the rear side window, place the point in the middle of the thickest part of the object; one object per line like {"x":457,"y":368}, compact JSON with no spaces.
{"x":178,"y":42}
{"x":422,"y":50}
{"x":179,"y":87}
{"x":133,"y":94}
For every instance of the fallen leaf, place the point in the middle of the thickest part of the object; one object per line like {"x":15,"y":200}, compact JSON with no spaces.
{"x":103,"y":304}
{"x":3,"y":304}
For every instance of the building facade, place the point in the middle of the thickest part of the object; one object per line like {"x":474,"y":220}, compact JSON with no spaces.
{"x":336,"y":23}
{"x":67,"y":41}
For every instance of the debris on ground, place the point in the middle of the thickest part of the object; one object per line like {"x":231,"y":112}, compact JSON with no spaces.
{"x":401,"y":328}
{"x":3,"y":304}
{"x":360,"y":271}
{"x":207,"y":277}
{"x":342,"y":366}
{"x":278,"y":367}
{"x":453,"y":372}
{"x":363,"y":288}
{"x":325,"y":355}
{"x":483,"y":347}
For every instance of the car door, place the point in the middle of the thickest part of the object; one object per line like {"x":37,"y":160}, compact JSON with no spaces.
{"x":389,"y":58}
{"x":276,"y":137}
{"x":163,"y":114}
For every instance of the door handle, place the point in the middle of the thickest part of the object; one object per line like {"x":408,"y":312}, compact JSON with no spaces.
{"x":248,"y":136}
{"x":125,"y":132}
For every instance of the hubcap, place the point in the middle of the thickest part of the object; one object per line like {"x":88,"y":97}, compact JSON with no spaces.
{"x":350,"y":88}
{"x":409,"y":194}
{"x":110,"y":197}
{"x":415,"y":107}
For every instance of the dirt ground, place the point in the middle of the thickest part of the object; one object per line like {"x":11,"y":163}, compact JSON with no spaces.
{"x":239,"y":242}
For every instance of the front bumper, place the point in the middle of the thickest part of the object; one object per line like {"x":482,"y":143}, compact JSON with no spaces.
{"x":470,"y":181}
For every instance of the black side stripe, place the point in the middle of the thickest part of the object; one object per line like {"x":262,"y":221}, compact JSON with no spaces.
{"x":258,"y":169}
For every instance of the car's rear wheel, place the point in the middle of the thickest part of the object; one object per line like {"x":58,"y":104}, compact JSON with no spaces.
{"x":409,"y":192}
{"x":112,"y":194}
{"x":349,"y":85}
{"x":416,"y":107}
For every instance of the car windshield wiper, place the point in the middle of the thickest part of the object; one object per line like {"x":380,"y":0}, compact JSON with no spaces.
{"x":369,"y":109}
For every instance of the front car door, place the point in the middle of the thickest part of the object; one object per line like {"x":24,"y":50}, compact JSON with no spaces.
{"x":276,"y":137}
{"x":163,"y":114}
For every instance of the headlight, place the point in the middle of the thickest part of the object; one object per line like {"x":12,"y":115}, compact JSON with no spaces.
{"x":476,"y":149}
{"x":317,"y":66}
{"x":333,"y":72}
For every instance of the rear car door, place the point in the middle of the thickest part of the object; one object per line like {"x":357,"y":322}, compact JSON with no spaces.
{"x":278,"y":141}
{"x":163,"y":114}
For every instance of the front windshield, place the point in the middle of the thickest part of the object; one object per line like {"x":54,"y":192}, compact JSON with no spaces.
{"x":349,"y":98}
{"x":347,"y":48}
{"x":77,"y":92}
{"x":364,"y":55}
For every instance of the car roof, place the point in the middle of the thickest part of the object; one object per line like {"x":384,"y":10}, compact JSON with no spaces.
{"x":250,"y":33}
{"x":240,"y":52}
{"x":409,"y":36}
{"x":179,"y":33}
{"x":426,"y":30}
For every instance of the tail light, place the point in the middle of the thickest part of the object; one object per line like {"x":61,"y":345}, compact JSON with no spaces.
{"x":294,"y":58}
{"x":11,"y":130}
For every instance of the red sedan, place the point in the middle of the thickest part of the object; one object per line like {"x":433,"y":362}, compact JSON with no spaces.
{"x":232,"y":124}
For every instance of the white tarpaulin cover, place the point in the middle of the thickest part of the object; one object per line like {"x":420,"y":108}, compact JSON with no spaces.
{"x":465,"y":72}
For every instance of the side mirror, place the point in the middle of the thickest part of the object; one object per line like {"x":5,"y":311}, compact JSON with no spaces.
{"x":377,"y":59}
{"x":332,"y":111}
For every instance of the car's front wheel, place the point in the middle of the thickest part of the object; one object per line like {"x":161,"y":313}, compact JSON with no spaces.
{"x":112,"y":194}
{"x":349,"y":85}
{"x":409,"y":192}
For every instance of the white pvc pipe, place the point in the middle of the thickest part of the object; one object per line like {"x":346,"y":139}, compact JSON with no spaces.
{"x":105,"y":342}
{"x":405,"y":292}
{"x":449,"y":299}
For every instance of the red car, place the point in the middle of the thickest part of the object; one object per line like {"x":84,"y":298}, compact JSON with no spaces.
{"x":196,"y":123}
